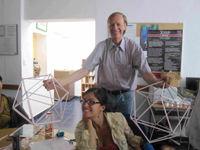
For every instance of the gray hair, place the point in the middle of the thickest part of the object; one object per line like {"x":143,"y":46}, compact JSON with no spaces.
{"x":118,"y":13}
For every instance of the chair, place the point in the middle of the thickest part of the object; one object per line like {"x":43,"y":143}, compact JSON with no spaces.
{"x":136,"y":131}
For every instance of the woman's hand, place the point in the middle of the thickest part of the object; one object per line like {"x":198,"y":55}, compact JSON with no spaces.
{"x":89,"y":126}
{"x":87,"y":121}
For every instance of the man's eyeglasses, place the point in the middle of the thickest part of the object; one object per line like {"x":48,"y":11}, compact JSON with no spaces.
{"x":89,"y":102}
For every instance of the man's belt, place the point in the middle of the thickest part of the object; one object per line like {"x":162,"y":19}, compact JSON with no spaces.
{"x":116,"y":92}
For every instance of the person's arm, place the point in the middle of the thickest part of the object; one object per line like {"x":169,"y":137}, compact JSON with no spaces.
{"x":83,"y":137}
{"x":150,"y":78}
{"x":90,"y":128}
{"x":75,"y":76}
{"x":20,"y":120}
{"x":133,"y":140}
{"x":16,"y":119}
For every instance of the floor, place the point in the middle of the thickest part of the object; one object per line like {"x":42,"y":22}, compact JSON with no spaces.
{"x":72,"y":115}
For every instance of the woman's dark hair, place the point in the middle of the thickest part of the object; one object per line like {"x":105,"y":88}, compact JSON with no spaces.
{"x":0,"y":78}
{"x":100,"y":94}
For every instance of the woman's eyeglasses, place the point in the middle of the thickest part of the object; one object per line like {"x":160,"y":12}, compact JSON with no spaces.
{"x":89,"y":102}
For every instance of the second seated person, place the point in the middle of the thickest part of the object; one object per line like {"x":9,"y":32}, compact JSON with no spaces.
{"x":8,"y":117}
{"x":102,"y":130}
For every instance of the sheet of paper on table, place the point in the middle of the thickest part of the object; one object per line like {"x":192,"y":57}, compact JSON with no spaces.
{"x":58,"y":143}
{"x":27,"y":130}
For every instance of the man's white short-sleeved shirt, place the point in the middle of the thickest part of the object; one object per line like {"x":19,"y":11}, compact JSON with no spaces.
{"x":118,"y":65}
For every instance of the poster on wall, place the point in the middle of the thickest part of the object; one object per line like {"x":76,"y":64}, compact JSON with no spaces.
{"x":144,"y":34}
{"x":164,"y":49}
{"x":131,"y":31}
{"x":8,"y":40}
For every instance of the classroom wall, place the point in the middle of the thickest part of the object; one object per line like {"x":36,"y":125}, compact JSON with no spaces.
{"x":22,"y":12}
{"x":10,"y":65}
{"x":60,"y":9}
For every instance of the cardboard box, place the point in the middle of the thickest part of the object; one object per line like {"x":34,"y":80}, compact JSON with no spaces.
{"x":174,"y":75}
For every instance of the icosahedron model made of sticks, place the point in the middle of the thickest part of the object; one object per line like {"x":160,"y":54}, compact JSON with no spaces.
{"x":160,"y":127}
{"x":34,"y":94}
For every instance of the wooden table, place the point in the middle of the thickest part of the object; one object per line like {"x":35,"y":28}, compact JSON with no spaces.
{"x":4,"y":132}
{"x":38,"y":137}
{"x":158,"y":106}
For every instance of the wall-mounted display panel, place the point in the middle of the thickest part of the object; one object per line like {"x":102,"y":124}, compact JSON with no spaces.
{"x":8,"y":39}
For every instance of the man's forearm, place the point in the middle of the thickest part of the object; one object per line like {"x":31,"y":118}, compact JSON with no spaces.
{"x":150,"y":78}
{"x":75,"y":76}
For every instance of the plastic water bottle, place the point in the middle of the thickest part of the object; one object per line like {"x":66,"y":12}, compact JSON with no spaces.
{"x":48,"y":125}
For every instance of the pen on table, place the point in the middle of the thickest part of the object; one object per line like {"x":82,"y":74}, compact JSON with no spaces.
{"x":3,"y":137}
{"x":69,"y":140}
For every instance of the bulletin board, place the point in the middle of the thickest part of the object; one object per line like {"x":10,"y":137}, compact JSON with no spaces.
{"x":166,"y":55}
{"x":161,"y":26}
{"x":133,"y":30}
{"x":8,"y":39}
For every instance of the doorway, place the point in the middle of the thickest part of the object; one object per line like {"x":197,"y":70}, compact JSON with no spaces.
{"x":63,"y":47}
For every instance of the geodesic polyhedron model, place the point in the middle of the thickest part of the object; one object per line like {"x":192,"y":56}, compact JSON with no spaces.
{"x":34,"y":94}
{"x":168,"y":106}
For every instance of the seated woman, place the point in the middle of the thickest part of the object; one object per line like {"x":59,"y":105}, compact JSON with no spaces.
{"x":102,"y":130}
{"x":8,"y":117}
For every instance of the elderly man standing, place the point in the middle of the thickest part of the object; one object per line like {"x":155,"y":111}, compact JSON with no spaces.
{"x":118,"y":59}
